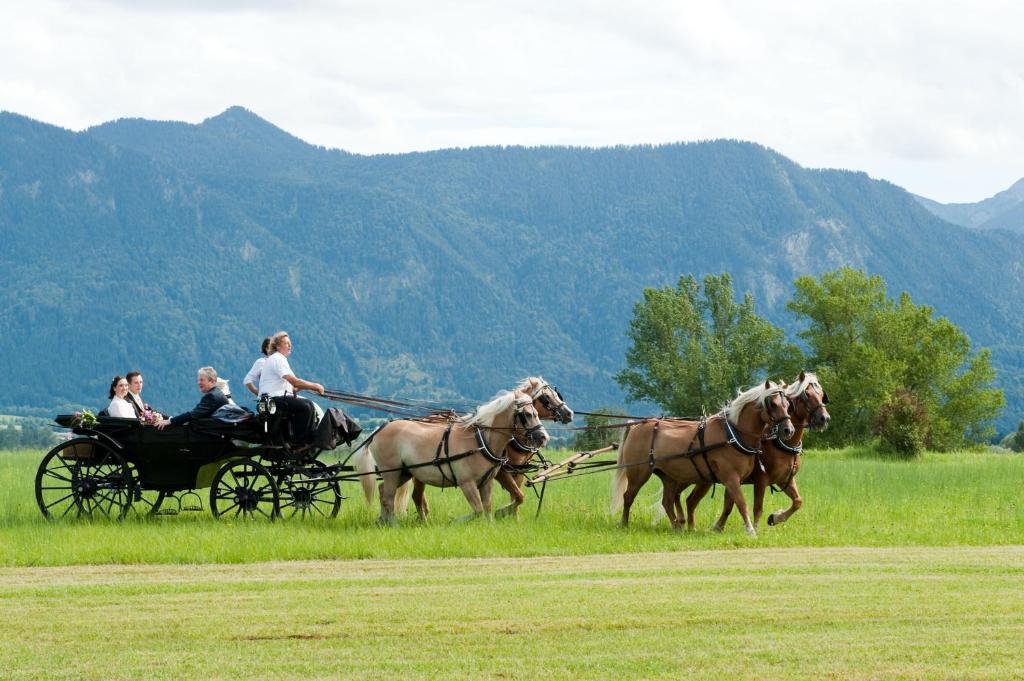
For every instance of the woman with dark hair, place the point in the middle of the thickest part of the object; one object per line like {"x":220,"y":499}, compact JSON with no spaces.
{"x":119,"y":406}
{"x":252,"y":379}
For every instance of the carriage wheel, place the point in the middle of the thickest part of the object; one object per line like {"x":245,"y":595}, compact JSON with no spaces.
{"x":84,"y":478}
{"x":304,"y":497}
{"x":244,"y":489}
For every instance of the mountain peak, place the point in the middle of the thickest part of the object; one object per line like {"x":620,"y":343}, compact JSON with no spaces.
{"x":242,"y":124}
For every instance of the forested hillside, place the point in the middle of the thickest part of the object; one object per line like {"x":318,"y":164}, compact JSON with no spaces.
{"x":165,"y":246}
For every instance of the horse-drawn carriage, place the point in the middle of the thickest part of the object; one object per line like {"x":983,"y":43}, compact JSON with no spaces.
{"x":251,"y":465}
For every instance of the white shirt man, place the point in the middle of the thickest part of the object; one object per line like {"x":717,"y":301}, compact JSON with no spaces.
{"x":272,"y":376}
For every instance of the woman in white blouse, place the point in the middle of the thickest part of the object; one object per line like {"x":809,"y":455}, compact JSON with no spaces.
{"x":119,"y":406}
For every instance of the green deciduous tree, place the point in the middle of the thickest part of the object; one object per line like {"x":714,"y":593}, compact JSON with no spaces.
{"x":692,"y":350}
{"x":884,"y":360}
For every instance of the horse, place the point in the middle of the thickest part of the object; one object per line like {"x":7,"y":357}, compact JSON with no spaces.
{"x":779,"y":458}
{"x":676,"y":451}
{"x":465,"y":452}
{"x":550,"y":406}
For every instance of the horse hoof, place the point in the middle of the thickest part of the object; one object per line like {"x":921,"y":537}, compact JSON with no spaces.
{"x":771,"y":519}
{"x":717,"y":528}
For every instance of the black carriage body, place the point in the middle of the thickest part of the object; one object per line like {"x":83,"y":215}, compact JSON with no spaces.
{"x":249,"y":466}
{"x":174,"y":459}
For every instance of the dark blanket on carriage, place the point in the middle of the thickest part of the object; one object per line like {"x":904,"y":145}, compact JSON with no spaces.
{"x":335,"y":428}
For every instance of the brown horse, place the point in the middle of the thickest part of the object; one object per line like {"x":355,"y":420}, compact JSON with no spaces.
{"x":465,"y":453}
{"x":719,"y":449}
{"x":779,"y":458}
{"x":550,"y":407}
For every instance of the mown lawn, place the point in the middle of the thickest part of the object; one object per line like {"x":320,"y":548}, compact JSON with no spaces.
{"x":850,"y":500}
{"x":758,"y":613}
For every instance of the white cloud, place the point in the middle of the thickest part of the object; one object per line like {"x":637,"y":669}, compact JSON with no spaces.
{"x":928,"y":95}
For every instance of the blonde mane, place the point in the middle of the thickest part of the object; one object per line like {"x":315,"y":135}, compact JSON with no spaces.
{"x":756,"y":394}
{"x":529,"y":384}
{"x":797,"y":389}
{"x":486,"y":413}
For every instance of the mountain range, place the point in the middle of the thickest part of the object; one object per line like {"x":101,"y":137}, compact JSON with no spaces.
{"x":444,"y":275}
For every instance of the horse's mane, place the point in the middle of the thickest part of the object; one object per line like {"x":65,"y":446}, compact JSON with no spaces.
{"x":486,"y":413}
{"x":732,"y":409}
{"x":527,"y":384}
{"x":797,"y":389}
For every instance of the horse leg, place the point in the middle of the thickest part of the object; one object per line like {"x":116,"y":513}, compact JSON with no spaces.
{"x":700,"y":490}
{"x":472,"y":493}
{"x":389,"y":484}
{"x":669,"y":494}
{"x":760,"y":485}
{"x":734,"y":487}
{"x":419,"y":498}
{"x":794,"y":494}
{"x":726,"y":510}
{"x":485,"y":497}
{"x":508,"y":481}
{"x":635,"y":479}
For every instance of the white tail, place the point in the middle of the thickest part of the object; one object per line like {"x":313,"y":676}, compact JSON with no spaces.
{"x":402,"y":495}
{"x":365,"y":465}
{"x":619,"y":478}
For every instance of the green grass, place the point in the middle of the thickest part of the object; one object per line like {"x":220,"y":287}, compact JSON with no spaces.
{"x":802,"y":613}
{"x":850,"y":500}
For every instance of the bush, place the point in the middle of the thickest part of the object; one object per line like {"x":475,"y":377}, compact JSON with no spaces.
{"x":902,"y":425}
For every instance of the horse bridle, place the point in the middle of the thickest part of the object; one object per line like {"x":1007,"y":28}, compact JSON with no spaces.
{"x":773,"y":427}
{"x":806,"y":399}
{"x":548,"y":402}
{"x":519,"y":419}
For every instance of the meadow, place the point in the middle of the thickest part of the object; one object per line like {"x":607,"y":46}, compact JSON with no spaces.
{"x":892,"y":569}
{"x":851,"y":499}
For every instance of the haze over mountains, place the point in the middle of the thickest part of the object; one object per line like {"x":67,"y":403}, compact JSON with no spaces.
{"x":449,"y":274}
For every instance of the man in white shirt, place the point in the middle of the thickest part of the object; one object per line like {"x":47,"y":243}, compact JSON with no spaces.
{"x":279,"y":382}
{"x":252,"y":379}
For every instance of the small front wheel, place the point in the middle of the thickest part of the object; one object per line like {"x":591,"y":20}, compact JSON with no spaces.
{"x":312,"y":493}
{"x":244,"y":489}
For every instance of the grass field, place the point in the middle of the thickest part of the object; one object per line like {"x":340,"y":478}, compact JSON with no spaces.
{"x":850,"y":500}
{"x":801,"y":613}
{"x":891,"y":570}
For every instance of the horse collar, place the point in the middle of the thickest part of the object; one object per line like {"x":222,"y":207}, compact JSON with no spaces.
{"x":795,"y":451}
{"x":734,"y":439}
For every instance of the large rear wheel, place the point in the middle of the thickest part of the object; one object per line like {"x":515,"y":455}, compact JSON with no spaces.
{"x":84,"y":478}
{"x":244,"y":489}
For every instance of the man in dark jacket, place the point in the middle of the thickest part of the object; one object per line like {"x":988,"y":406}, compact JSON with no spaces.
{"x":212,"y":399}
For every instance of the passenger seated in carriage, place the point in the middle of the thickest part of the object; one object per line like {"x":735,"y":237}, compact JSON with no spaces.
{"x":212,"y":399}
{"x":279,"y":382}
{"x":134,"y":396}
{"x":119,"y":406}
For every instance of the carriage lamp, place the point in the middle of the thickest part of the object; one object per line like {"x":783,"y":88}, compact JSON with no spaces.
{"x":266,"y":406}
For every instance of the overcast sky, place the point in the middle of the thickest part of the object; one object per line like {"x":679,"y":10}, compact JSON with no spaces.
{"x":928,"y":95}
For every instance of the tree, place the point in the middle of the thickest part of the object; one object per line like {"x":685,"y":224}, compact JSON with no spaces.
{"x":598,"y":434}
{"x":884,"y":361}
{"x":691,"y":351}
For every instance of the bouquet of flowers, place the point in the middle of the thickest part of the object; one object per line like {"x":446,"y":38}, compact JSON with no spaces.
{"x":83,"y":419}
{"x":150,"y":417}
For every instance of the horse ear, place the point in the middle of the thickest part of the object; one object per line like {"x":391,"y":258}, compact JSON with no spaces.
{"x":824,"y":397}
{"x":803,"y":375}
{"x":767,"y":384}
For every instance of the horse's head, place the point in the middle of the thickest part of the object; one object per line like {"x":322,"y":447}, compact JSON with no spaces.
{"x":807,"y":401}
{"x":774,"y":409}
{"x":526,"y":421}
{"x":547,"y":400}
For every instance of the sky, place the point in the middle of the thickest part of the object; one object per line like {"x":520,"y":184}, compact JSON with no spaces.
{"x":927,"y":95}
